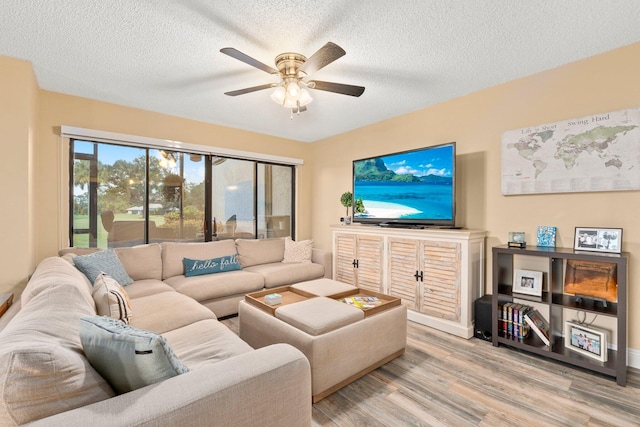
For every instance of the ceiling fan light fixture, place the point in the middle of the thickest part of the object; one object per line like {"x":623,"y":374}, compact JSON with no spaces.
{"x":279,"y":95}
{"x":293,"y":91}
{"x":305,"y":98}
{"x":292,"y":68}
{"x":290,"y":103}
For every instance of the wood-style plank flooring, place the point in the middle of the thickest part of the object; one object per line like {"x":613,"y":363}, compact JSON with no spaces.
{"x":443,"y":380}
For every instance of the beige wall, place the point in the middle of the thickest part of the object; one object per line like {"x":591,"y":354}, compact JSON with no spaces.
{"x":18,"y":108}
{"x":603,"y":83}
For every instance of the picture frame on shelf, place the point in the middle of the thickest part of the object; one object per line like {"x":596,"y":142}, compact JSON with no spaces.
{"x":591,"y":279}
{"x":586,"y":340}
{"x":596,"y":239}
{"x":527,"y":282}
{"x":546,"y":236}
{"x":516,"y":239}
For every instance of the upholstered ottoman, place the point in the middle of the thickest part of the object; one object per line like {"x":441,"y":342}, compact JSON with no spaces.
{"x":341,"y":343}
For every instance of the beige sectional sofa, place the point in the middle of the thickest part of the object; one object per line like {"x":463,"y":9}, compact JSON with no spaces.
{"x":46,"y":378}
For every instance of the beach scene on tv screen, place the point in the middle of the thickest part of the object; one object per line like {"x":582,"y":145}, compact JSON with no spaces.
{"x":415,"y":185}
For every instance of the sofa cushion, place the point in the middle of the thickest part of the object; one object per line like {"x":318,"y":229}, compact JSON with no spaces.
{"x":56,"y":271}
{"x":111,"y":298}
{"x":196,"y":267}
{"x":77,"y":251}
{"x":43,"y":370}
{"x":128,"y":358}
{"x":317,"y":316}
{"x":279,"y":274}
{"x":324,"y":287}
{"x":204,"y":342}
{"x":174,"y":252}
{"x":166,"y":311}
{"x":146,"y":287}
{"x":204,"y":288}
{"x":142,"y":262}
{"x":103,"y":261}
{"x":297,"y":252}
{"x":259,"y":251}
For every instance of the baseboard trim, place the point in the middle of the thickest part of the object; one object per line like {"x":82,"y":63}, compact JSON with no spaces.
{"x":633,"y":358}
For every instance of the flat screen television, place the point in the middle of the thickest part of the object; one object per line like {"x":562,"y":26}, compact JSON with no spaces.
{"x":415,"y":188}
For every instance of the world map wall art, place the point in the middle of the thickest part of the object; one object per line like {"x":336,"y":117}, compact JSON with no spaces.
{"x":600,"y":152}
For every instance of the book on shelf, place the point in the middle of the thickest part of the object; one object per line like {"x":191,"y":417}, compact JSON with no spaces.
{"x":362,"y":302}
{"x":511,"y":320}
{"x":539,"y":325}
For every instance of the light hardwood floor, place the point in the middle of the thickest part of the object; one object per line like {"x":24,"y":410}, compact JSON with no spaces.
{"x":443,"y":380}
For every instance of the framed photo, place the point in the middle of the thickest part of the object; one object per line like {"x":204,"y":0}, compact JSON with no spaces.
{"x":527,"y":282}
{"x":598,"y":239}
{"x":516,"y":239}
{"x":586,"y":340}
{"x":593,"y":279}
{"x":546,"y":236}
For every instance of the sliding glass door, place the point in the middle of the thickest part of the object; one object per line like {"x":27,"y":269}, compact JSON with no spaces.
{"x":275,"y":200}
{"x":108,"y":186}
{"x":123,"y":196}
{"x":233,"y":184}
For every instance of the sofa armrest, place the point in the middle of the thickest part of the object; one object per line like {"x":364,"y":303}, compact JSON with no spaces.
{"x":321,"y":256}
{"x":270,"y":386}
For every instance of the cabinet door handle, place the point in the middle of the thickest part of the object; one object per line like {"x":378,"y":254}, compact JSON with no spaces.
{"x":355,"y":263}
{"x":418,"y":275}
{"x":422,"y":276}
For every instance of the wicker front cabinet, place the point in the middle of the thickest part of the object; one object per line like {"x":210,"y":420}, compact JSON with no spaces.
{"x":437,"y":273}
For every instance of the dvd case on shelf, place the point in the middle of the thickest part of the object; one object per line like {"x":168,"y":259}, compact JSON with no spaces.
{"x":539,"y":325}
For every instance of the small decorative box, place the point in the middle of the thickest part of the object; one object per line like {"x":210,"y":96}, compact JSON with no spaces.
{"x":273,"y":299}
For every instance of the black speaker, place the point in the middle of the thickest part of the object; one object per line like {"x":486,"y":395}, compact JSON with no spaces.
{"x":482,"y":317}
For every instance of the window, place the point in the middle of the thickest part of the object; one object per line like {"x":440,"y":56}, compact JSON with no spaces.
{"x":123,"y":196}
{"x":274,"y":200}
{"x":233,"y":184}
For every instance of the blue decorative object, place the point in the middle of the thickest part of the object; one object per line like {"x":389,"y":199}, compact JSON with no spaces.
{"x":102,"y":262}
{"x":546,"y":236}
{"x":197,"y":267}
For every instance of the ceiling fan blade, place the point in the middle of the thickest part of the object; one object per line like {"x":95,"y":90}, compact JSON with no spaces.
{"x":323,"y":57}
{"x":249,"y":89}
{"x":235,"y":53}
{"x":340,"y":88}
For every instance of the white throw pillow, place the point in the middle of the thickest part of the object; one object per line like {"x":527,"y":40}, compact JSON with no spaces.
{"x":297,"y":252}
{"x":111,"y":299}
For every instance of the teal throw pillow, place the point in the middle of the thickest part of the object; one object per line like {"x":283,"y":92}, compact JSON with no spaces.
{"x":103,"y":261}
{"x":197,"y":267}
{"x":127,"y":357}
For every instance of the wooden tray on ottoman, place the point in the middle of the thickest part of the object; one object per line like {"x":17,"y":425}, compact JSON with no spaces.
{"x":289,"y":296}
{"x":388,"y":301}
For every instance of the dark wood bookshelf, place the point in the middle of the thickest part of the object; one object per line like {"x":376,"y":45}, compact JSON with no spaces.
{"x":557,"y":301}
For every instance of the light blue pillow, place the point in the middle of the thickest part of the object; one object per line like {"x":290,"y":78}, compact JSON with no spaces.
{"x":197,"y":267}
{"x":103,"y":261}
{"x":127,"y":357}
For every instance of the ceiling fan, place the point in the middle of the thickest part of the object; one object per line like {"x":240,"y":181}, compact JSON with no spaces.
{"x":293,"y":69}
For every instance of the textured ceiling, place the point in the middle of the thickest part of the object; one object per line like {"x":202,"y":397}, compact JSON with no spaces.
{"x":163,"y":55}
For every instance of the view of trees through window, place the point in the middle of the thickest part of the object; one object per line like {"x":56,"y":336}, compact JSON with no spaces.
{"x":123,"y":196}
